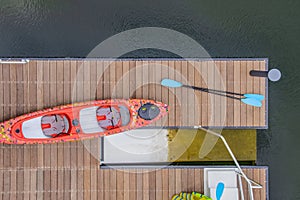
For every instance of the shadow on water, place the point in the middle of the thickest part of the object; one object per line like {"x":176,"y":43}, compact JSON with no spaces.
{"x":52,"y":28}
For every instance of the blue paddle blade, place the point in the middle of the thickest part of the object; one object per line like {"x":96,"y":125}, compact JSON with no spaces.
{"x":219,"y":190}
{"x":255,"y":96}
{"x":252,"y":102}
{"x":170,"y":83}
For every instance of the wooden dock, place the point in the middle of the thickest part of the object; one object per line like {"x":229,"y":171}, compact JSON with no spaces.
{"x":46,"y":83}
{"x":71,"y":170}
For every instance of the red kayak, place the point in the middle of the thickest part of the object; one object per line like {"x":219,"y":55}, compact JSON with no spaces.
{"x":81,"y":121}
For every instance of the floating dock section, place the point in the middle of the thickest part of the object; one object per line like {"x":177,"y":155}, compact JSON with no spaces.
{"x":42,"y":83}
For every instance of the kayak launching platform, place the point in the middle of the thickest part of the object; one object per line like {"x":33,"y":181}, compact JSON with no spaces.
{"x":41,"y":83}
{"x":71,"y":170}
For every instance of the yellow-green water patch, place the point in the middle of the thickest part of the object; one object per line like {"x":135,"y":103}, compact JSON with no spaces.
{"x":184,"y":146}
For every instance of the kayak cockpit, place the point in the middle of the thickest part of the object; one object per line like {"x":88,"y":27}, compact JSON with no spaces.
{"x":92,"y":120}
{"x":45,"y":126}
{"x":99,"y":119}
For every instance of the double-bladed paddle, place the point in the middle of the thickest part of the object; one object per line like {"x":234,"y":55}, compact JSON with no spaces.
{"x":249,"y":99}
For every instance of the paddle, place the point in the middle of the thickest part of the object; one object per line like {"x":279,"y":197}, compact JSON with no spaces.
{"x":250,"y":99}
{"x":219,"y":191}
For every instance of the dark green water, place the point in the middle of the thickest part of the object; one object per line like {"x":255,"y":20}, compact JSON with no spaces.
{"x":232,"y":28}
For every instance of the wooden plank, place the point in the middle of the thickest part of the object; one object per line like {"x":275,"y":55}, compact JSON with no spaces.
{"x":237,"y":89}
{"x":80,"y":171}
{"x":125,"y":80}
{"x":100,"y":183}
{"x":79,"y":81}
{"x":218,"y":99}
{"x":256,"y":177}
{"x":230,"y":87}
{"x":26,"y":88}
{"x":152,"y":79}
{"x":178,"y":185}
{"x":191,"y":109}
{"x":190,"y":180}
{"x":197,"y":100}
{"x":139,"y":184}
{"x":13,"y":185}
{"x":165,"y":184}
{"x":33,"y":184}
{"x":256,"y":90}
{"x":113,"y":183}
{"x":47,"y":183}
{"x":60,"y":171}
{"x":178,"y":94}
{"x":118,"y":89}
{"x":106,"y":80}
{"x":100,"y":80}
{"x":67,"y":81}
{"x":20,"y":173}
{"x":199,"y":180}
{"x":13,"y":90}
{"x":132,"y":185}
{"x":211,"y":97}
{"x":244,"y":81}
{"x":40,"y":184}
{"x":146,"y":186}
{"x":46,"y":84}
{"x":145,"y":79}
{"x":263,"y":182}
{"x":132,"y":75}
{"x":184,"y":97}
{"x":172,"y":183}
{"x":251,"y":114}
{"x":164,"y":90}
{"x":152,"y":184}
{"x":86,"y":81}
{"x":204,"y":96}
{"x":223,"y":101}
{"x":87,"y":170}
{"x":139,"y":79}
{"x":73,"y":78}
{"x":6,"y":184}
{"x":127,"y":184}
{"x":26,"y":185}
{"x":6,"y":91}
{"x":53,"y":173}
{"x":158,"y":185}
{"x":32,"y":85}
{"x":158,"y":88}
{"x":94,"y":183}
{"x":112,"y":80}
{"x":120,"y":184}
{"x":262,"y":90}
{"x":184,"y":180}
{"x":106,"y":182}
{"x":172,"y":97}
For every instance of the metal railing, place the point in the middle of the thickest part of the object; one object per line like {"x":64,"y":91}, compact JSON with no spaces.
{"x":251,"y":184}
{"x":14,"y":61}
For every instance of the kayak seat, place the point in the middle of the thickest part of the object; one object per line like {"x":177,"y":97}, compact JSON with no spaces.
{"x":108,"y":117}
{"x":53,"y":124}
{"x":125,"y":115}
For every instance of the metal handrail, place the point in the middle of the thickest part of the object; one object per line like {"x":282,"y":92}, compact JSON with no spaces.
{"x":251,"y":184}
{"x":11,"y":61}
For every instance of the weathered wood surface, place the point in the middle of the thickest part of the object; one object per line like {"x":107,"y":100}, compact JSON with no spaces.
{"x":71,"y":170}
{"x":46,"y":83}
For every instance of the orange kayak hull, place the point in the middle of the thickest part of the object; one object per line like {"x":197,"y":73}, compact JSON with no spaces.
{"x":11,"y":130}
